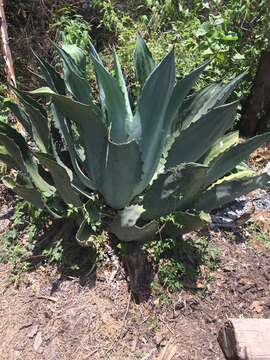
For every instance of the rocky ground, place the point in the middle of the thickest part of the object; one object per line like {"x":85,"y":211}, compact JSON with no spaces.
{"x":94,"y":317}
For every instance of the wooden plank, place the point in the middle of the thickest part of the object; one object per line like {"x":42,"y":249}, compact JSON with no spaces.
{"x":245,"y":339}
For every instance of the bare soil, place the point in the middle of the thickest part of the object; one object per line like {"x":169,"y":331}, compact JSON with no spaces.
{"x":94,"y":317}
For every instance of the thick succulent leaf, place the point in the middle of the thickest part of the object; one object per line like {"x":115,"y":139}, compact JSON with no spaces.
{"x":195,"y":141}
{"x":121,"y":173}
{"x":6,"y":158}
{"x":185,"y":222}
{"x":175,"y":190}
{"x":122,"y":84}
{"x":99,"y":82}
{"x":181,"y":90}
{"x":61,"y":179}
{"x":74,"y":75}
{"x":61,"y":123}
{"x":206,"y":99}
{"x":150,"y":122}
{"x":78,"y":56}
{"x":143,"y":61}
{"x":125,"y":228}
{"x":225,"y":162}
{"x":92,"y":131}
{"x":229,"y":188}
{"x":130,"y":215}
{"x":19,"y":113}
{"x":17,"y":148}
{"x":27,"y":192}
{"x":220,"y":146}
{"x":12,"y":151}
{"x":39,"y":121}
{"x":52,"y":77}
{"x":118,"y":114}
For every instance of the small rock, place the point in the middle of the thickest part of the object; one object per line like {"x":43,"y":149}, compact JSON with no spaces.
{"x":227,"y":268}
{"x":38,"y":341}
{"x":210,"y":320}
{"x":33,"y":331}
{"x":180,"y":305}
{"x":267,"y":276}
{"x":245,"y":288}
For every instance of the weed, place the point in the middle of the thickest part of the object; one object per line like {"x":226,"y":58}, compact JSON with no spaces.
{"x":71,"y":28}
{"x":27,"y":222}
{"x":54,"y":253}
{"x":152,"y":324}
{"x":199,"y":30}
{"x":259,"y":236}
{"x":178,"y":260}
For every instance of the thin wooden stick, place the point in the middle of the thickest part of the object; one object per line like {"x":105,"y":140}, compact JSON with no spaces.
{"x":5,"y":45}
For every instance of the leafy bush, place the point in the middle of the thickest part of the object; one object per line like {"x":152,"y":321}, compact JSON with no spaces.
{"x":232,"y":33}
{"x":125,"y":163}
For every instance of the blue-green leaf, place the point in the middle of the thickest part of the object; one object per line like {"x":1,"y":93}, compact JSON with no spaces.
{"x":92,"y":131}
{"x":228,"y":188}
{"x":61,"y":179}
{"x":181,"y":90}
{"x":74,"y":75}
{"x":17,"y":148}
{"x":227,"y":160}
{"x":150,"y":122}
{"x":122,"y":84}
{"x":143,"y":61}
{"x":195,"y":141}
{"x":117,"y":112}
{"x":175,"y":190}
{"x":121,"y":173}
{"x":19,"y":113}
{"x":99,"y":82}
{"x":220,"y":146}
{"x":206,"y":99}
{"x":25,"y":191}
{"x":52,"y":77}
{"x":125,"y":228}
{"x":39,"y":120}
{"x":184,"y":222}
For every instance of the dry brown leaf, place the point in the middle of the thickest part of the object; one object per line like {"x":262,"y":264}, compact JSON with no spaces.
{"x":257,"y":306}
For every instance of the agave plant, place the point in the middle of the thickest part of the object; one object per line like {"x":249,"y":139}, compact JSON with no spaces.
{"x":169,"y":152}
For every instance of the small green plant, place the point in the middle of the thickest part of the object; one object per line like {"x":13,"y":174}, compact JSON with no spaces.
{"x":54,"y":253}
{"x":19,"y":240}
{"x":71,"y":29}
{"x":170,"y":273}
{"x":259,"y":235}
{"x":179,"y":261}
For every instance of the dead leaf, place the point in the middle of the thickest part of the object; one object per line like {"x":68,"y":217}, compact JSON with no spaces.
{"x":200,"y":285}
{"x":257,"y":306}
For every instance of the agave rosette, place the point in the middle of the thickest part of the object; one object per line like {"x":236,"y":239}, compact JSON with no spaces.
{"x":173,"y":154}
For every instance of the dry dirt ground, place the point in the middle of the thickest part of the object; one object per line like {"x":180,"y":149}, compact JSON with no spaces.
{"x":97,"y":319}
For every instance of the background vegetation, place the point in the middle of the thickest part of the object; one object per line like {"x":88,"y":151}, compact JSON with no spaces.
{"x":231,"y":33}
